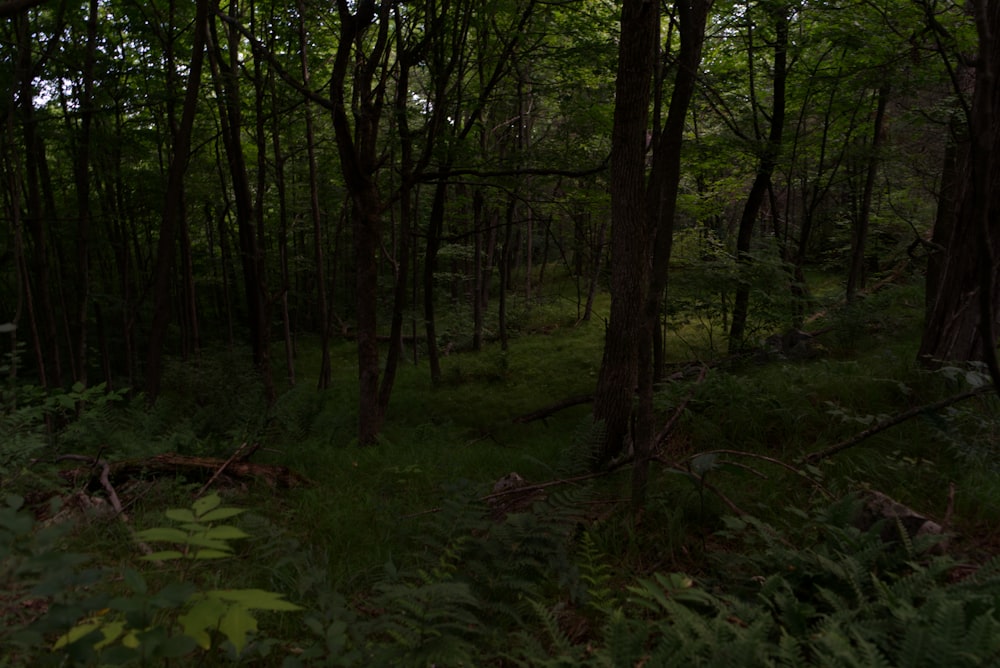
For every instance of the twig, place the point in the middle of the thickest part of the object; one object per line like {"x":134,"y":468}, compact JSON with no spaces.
{"x":225,"y":464}
{"x":771,"y":460}
{"x":661,"y":437}
{"x":105,"y":480}
{"x":893,"y":421}
{"x":545,"y":412}
{"x":949,"y":511}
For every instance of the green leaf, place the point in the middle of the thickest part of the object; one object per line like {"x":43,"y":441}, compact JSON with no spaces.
{"x":205,"y":504}
{"x":111,"y":631}
{"x":221,"y":514}
{"x":254,"y":599}
{"x":201,"y":541}
{"x":211,"y":554}
{"x":203,"y":617}
{"x":236,"y":624}
{"x":181,"y":515}
{"x":163,"y":533}
{"x":134,"y":580}
{"x":79,"y":631}
{"x":225,"y":532}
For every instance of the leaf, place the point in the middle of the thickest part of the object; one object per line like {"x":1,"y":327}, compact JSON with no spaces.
{"x":111,"y":631}
{"x":205,"y":504}
{"x":181,"y":515}
{"x":236,"y":624}
{"x":702,"y":464}
{"x":210,"y":554}
{"x":221,"y":514}
{"x":79,"y":631}
{"x":225,"y":532}
{"x":201,"y":541}
{"x":203,"y":617}
{"x":254,"y":599}
{"x":134,"y":580}
{"x":167,"y":534}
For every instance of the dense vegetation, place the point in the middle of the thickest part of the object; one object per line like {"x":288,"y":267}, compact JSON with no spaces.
{"x":646,"y":335}
{"x":405,"y":554}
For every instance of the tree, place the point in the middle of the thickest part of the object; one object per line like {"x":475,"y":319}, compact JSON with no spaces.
{"x":643,"y":211}
{"x":961,"y":322}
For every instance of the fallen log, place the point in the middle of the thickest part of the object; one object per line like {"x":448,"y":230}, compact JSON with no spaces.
{"x":196,"y":468}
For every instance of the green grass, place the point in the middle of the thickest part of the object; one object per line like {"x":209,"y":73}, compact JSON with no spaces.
{"x":367,"y":507}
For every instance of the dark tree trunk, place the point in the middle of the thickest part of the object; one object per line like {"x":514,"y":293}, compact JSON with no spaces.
{"x":859,"y":241}
{"x":629,"y":232}
{"x":358,"y":153}
{"x":226,"y":78}
{"x":661,"y":203}
{"x":961,"y":323}
{"x":435,"y":227}
{"x":39,"y":280}
{"x":322,"y":307}
{"x":172,"y":208}
{"x":761,"y":183}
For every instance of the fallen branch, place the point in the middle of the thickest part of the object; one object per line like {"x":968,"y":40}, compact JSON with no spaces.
{"x":199,"y":467}
{"x":116,"y":503}
{"x":236,"y":455}
{"x":892,"y":422}
{"x":545,"y":412}
{"x":661,"y":437}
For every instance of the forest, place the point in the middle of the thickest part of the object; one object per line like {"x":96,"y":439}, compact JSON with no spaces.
{"x":500,"y":333}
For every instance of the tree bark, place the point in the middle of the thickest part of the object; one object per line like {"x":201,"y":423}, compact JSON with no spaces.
{"x":629,"y":229}
{"x":172,"y":208}
{"x":961,"y":323}
{"x":859,"y":241}
{"x":762,"y":181}
{"x":661,"y":204}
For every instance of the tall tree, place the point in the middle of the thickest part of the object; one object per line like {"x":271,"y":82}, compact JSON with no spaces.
{"x":961,"y":322}
{"x":767,"y":161}
{"x":172,"y":209}
{"x":616,"y":383}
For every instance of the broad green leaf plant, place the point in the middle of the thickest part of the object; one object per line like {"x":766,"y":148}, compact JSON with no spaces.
{"x":179,"y":619}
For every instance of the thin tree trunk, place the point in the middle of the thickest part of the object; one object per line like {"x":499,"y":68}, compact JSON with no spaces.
{"x":661,"y":203}
{"x":435,"y":228}
{"x":323,"y":381}
{"x":761,"y":183}
{"x":172,"y":208}
{"x":859,"y":241}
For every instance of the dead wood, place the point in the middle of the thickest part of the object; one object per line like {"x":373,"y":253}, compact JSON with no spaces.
{"x":879,"y":427}
{"x":172,"y":464}
{"x":551,"y":409}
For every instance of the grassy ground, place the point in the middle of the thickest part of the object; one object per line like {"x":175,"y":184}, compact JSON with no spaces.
{"x":367,"y":507}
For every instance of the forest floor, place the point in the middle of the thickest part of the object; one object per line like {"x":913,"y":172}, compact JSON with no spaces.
{"x":355,"y":518}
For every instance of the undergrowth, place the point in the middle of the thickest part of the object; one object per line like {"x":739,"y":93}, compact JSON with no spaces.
{"x":404,"y":554}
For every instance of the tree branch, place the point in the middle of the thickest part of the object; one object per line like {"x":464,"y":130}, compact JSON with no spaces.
{"x":892,"y":422}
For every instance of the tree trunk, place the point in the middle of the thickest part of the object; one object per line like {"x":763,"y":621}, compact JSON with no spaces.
{"x":435,"y":227}
{"x":761,"y":183}
{"x":172,"y":208}
{"x":629,"y":232}
{"x":323,"y":382}
{"x":961,"y":322}
{"x":661,"y":204}
{"x":358,"y":153}
{"x":225,"y":77}
{"x":859,"y":242}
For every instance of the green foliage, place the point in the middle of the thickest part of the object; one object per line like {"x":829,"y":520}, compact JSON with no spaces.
{"x":43,"y":584}
{"x":179,"y":619}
